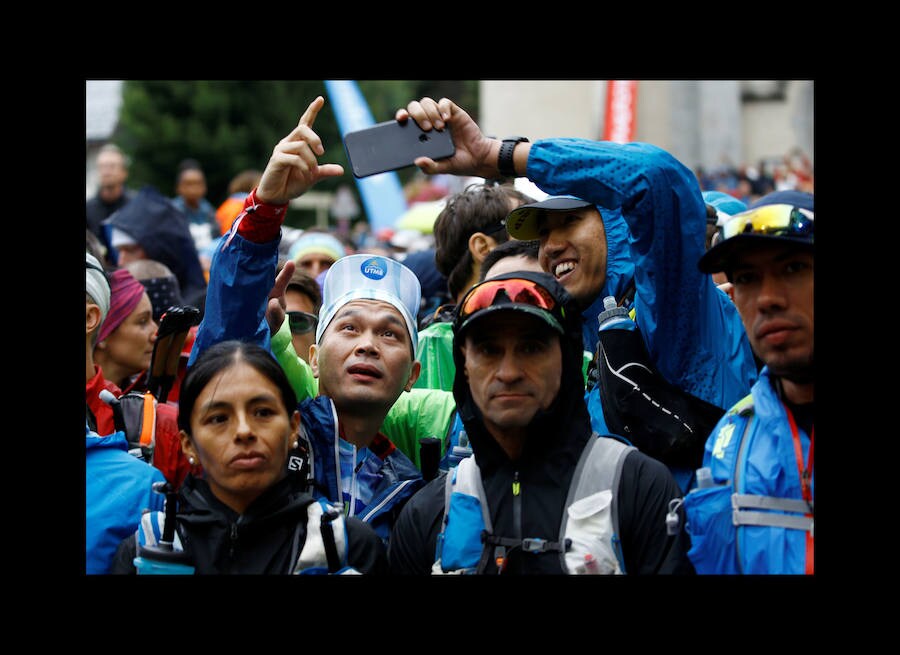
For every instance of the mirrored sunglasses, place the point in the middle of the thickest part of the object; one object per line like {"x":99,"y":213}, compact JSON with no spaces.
{"x":772,"y":220}
{"x":514,"y":290}
{"x":301,"y":322}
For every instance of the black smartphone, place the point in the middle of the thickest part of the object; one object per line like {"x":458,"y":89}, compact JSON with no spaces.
{"x":391,"y":145}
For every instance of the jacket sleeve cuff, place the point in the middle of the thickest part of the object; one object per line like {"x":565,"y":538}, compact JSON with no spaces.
{"x":260,"y":222}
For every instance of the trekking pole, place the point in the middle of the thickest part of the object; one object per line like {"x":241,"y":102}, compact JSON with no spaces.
{"x":168,"y":536}
{"x":162,"y":557}
{"x":174,"y":326}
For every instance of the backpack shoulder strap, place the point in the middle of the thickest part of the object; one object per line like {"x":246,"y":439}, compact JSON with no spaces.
{"x":599,"y":469}
{"x":464,"y":499}
{"x":325,"y":548}
{"x":465,"y":478}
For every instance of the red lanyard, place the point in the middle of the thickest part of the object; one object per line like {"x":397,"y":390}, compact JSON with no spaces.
{"x":805,"y":477}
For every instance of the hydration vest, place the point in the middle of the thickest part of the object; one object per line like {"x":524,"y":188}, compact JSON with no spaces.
{"x":324,"y":550}
{"x":734,"y":531}
{"x":589,"y":532}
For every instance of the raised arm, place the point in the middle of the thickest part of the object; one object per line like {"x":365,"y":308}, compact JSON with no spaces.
{"x":243,"y":267}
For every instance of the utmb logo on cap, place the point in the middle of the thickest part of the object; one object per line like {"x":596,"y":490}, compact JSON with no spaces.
{"x":374,"y":269}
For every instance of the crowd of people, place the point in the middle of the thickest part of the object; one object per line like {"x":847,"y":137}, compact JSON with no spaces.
{"x":614,"y":378}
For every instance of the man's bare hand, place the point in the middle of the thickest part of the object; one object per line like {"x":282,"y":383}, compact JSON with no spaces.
{"x":475,"y":154}
{"x":293,"y":167}
{"x":275,"y":308}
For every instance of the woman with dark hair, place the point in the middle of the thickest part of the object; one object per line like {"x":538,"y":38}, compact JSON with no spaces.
{"x":247,"y":513}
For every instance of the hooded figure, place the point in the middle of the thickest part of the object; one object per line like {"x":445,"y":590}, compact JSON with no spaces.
{"x":157,"y":226}
{"x":566,"y":420}
{"x":528,"y":496}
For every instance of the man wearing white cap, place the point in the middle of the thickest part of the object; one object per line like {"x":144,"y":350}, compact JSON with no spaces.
{"x":364,"y":357}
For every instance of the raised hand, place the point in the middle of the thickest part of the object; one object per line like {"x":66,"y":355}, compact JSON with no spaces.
{"x":475,"y":153}
{"x":293,"y":167}
{"x":276,"y":304}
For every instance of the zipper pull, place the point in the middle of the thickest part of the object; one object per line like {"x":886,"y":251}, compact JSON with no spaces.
{"x":516,"y":487}
{"x":234,"y":538}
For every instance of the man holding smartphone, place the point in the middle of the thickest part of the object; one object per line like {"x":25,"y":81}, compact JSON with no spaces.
{"x":621,"y":217}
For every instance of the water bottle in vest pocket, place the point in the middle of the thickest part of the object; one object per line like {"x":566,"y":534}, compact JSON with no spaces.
{"x":589,"y":527}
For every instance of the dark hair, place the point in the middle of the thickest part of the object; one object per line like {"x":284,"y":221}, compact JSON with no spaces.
{"x":189,"y":165}
{"x":307,"y":285}
{"x":221,"y":356}
{"x":477,"y":208}
{"x":511,"y":248}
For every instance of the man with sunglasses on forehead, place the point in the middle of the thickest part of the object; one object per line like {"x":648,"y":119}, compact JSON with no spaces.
{"x":757,"y":514}
{"x":542,"y":493}
{"x":620,"y":217}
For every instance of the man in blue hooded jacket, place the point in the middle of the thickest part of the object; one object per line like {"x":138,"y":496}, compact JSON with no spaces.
{"x":756,"y":514}
{"x":620,"y":216}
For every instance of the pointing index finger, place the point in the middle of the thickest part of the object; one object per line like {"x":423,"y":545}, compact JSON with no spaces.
{"x":309,"y":116}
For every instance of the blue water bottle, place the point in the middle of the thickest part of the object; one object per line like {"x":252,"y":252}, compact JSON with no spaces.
{"x":163,"y":558}
{"x":613,"y":316}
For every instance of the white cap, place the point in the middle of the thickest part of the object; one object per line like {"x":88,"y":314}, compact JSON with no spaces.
{"x":371,"y":277}
{"x":96,"y":284}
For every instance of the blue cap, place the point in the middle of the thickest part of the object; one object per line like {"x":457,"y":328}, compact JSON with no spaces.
{"x":799,"y":232}
{"x":800,"y":199}
{"x":724,"y":203}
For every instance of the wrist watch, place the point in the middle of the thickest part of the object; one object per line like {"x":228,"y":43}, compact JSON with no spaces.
{"x":505,"y":157}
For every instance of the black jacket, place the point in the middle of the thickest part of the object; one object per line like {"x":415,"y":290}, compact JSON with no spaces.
{"x":554,"y":444}
{"x":266,"y":539}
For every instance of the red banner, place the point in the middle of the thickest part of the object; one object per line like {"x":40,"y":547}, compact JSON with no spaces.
{"x":621,"y":105}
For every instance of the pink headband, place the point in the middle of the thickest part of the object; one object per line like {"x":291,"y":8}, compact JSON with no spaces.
{"x":125,"y":294}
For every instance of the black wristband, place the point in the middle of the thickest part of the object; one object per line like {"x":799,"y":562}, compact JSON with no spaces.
{"x":505,"y":157}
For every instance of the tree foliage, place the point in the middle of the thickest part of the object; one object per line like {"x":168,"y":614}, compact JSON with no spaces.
{"x":229,"y":126}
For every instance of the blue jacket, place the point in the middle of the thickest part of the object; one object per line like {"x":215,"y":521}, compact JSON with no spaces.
{"x":241,"y":277}
{"x":765,"y":465}
{"x":386,"y":478}
{"x":655,"y":222}
{"x":118,"y":487}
